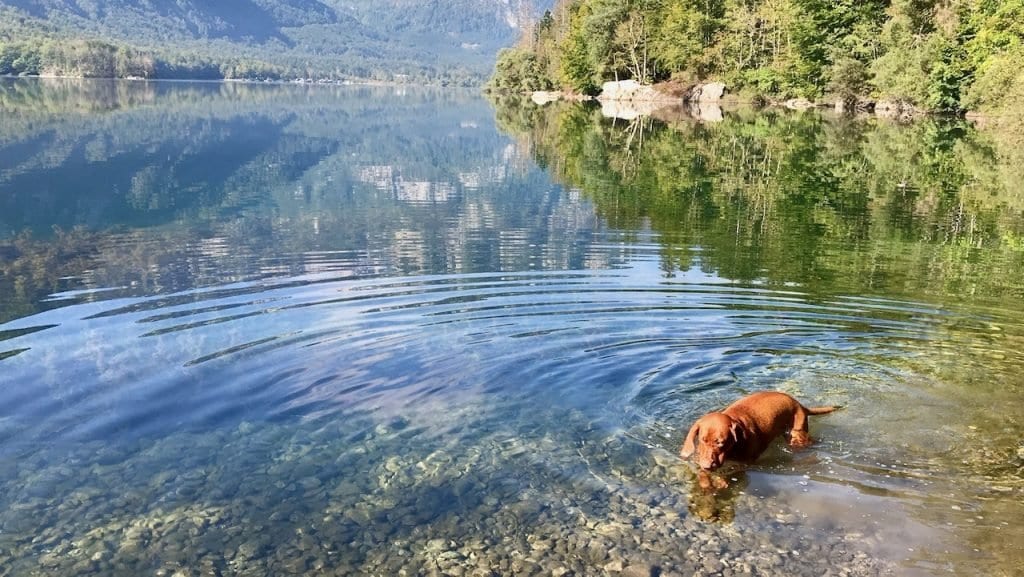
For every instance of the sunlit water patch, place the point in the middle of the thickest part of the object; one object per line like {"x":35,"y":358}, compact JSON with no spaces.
{"x":512,"y":423}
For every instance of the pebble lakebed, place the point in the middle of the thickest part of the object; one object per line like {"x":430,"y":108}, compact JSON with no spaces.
{"x":384,"y":499}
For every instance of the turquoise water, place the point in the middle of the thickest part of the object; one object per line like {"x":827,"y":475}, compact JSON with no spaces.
{"x":266,"y":330}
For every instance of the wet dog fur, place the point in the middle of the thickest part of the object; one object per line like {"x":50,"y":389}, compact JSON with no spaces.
{"x":744,"y":429}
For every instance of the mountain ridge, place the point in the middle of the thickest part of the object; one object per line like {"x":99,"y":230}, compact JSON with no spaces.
{"x":451,"y":42}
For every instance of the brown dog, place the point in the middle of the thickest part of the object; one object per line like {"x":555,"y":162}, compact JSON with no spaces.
{"x":745,"y":429}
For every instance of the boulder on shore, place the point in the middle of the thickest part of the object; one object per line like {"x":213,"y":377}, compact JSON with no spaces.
{"x":632,"y":91}
{"x":707,"y":92}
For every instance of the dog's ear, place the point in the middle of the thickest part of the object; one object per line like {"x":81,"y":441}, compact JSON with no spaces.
{"x":689,"y":445}
{"x":736,"y":431}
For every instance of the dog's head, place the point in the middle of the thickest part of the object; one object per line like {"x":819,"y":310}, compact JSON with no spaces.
{"x":710,"y":438}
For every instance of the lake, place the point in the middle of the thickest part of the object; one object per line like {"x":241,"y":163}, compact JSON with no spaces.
{"x":269,"y":330}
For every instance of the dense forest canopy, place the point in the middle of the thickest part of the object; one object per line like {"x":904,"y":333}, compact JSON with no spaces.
{"x":933,"y":54}
{"x":447,"y":41}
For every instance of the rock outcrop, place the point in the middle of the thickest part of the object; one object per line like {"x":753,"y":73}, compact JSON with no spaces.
{"x":633,"y":91}
{"x":708,"y":92}
{"x":628,"y":99}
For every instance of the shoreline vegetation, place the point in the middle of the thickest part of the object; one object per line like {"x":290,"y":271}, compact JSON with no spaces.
{"x":103,"y":60}
{"x":349,"y":81}
{"x":901,"y":58}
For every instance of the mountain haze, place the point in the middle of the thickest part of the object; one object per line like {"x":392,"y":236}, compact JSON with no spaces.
{"x":454,"y":40}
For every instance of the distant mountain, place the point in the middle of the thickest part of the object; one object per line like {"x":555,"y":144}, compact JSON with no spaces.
{"x":453,"y":39}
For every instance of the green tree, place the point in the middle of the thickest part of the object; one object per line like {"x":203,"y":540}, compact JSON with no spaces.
{"x":923,"y":52}
{"x":519,"y":70}
{"x":686,"y":36}
{"x":577,"y":70}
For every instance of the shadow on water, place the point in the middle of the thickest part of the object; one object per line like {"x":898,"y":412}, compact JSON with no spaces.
{"x":293,"y":330}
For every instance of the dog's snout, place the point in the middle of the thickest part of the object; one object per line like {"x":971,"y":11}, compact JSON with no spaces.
{"x":710,"y":464}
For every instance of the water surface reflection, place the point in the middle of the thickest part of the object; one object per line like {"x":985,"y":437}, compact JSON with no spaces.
{"x":292,"y":330}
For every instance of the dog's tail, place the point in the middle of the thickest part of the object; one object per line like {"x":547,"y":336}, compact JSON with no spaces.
{"x":822,"y":410}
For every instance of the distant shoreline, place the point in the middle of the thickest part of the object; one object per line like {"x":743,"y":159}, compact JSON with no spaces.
{"x":297,"y":82}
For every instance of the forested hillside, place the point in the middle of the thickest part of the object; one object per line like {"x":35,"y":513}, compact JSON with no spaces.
{"x":932,"y":54}
{"x":431,"y":40}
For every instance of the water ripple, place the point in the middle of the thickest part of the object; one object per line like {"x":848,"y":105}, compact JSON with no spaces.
{"x":591,"y":340}
{"x":619,"y":352}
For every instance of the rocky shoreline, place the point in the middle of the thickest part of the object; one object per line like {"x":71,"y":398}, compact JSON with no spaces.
{"x":277,"y":500}
{"x":629,"y":99}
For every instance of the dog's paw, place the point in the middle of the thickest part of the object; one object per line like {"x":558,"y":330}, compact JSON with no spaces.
{"x":800,"y":441}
